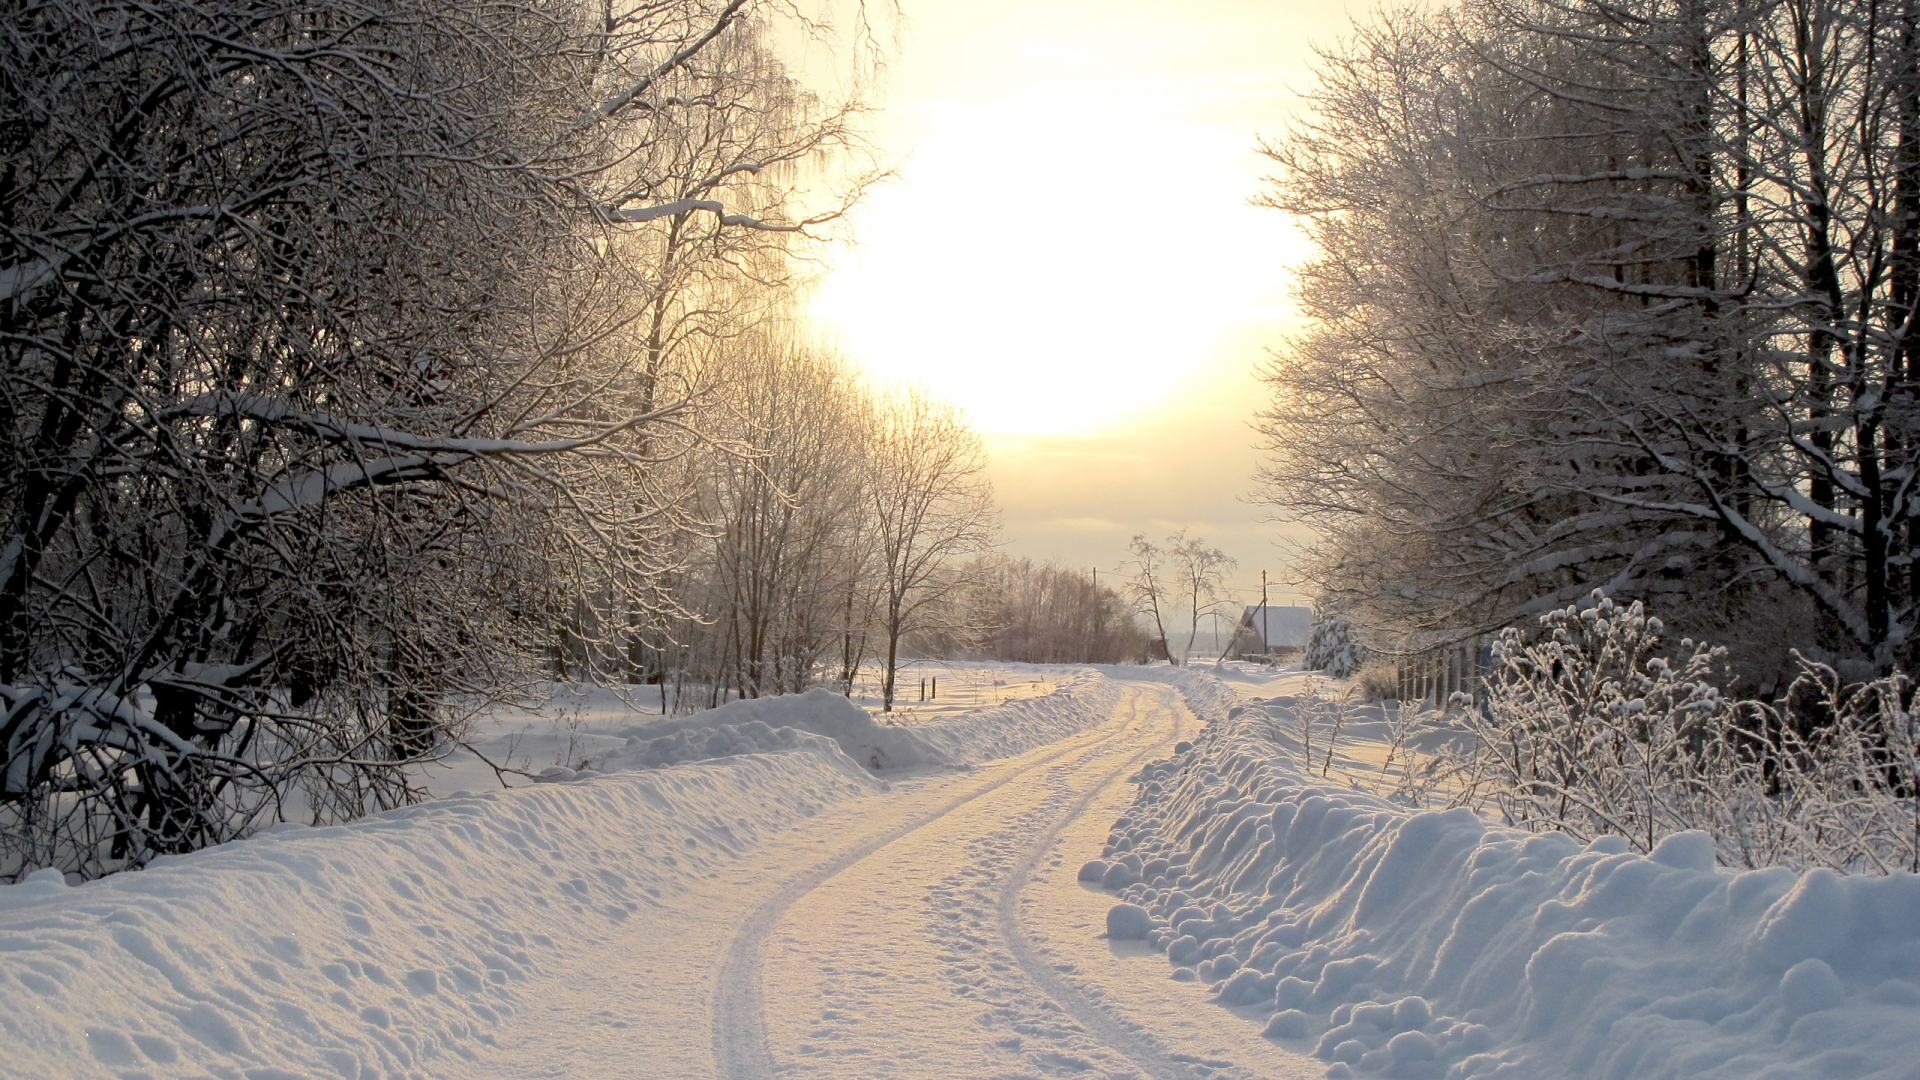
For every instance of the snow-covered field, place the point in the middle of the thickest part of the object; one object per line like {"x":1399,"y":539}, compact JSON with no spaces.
{"x":743,"y":894}
{"x":579,"y":726}
{"x":953,"y":687}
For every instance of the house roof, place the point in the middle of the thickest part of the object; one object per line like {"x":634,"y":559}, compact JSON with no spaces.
{"x":1280,"y":627}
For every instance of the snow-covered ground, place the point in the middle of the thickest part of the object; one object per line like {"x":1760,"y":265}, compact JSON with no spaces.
{"x":953,"y":687}
{"x":742,"y":894}
{"x":1354,"y":744}
{"x":1420,"y":945}
{"x":578,"y":726}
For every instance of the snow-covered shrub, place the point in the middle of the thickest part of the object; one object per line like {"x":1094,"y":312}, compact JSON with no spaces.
{"x":1317,"y":710}
{"x":1332,"y":648}
{"x":1585,"y":730}
{"x":1378,"y":680}
{"x":1829,"y":777}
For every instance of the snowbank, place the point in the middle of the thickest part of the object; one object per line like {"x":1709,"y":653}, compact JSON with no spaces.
{"x":1084,"y":698}
{"x":374,"y":948}
{"x":1433,"y":945}
{"x":406,"y":939}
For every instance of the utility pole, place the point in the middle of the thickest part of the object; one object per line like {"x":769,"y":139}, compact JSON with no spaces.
{"x":1094,"y":605}
{"x":1264,"y":617}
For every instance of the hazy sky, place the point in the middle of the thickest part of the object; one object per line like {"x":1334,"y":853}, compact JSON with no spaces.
{"x":1069,"y":255}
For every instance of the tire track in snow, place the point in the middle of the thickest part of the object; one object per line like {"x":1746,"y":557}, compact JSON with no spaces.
{"x":1135,"y":1045}
{"x":740,"y":1049}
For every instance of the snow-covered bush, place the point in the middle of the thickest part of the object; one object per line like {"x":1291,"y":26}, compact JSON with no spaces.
{"x":1315,"y":709}
{"x":1332,"y":648}
{"x":1829,"y":777}
{"x":1378,"y":680}
{"x":1585,"y":730}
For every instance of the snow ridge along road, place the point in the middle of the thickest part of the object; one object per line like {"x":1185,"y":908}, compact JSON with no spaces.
{"x":1439,"y":946}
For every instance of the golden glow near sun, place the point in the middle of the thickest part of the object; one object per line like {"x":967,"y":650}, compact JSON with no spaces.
{"x":1040,"y":295}
{"x":1069,"y":239}
{"x":1068,"y":252}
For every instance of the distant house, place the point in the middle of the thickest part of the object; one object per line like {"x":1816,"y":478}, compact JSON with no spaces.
{"x":1268,"y":630}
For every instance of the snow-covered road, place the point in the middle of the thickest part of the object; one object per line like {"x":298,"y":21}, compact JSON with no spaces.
{"x":957,"y":943}
{"x":935,"y":930}
{"x":738,"y":895}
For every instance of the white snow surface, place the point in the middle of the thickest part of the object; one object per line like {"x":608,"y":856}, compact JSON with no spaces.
{"x":396,"y":945}
{"x":1083,"y":698}
{"x":1428,"y":945}
{"x":382,"y":948}
{"x":736,"y":894}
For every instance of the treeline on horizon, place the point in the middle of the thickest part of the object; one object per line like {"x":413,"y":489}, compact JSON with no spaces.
{"x":1613,"y":295}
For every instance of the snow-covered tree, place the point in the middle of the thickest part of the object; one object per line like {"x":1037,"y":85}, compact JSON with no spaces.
{"x":1611,"y":294}
{"x":1331,"y":647}
{"x":1200,"y":572}
{"x":324,"y":389}
{"x":1185,"y":571}
{"x":768,"y":588}
{"x":1148,"y":581}
{"x":1047,"y":614}
{"x":929,"y":508}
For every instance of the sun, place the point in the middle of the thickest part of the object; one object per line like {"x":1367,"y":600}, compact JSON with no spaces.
{"x":1054,"y":263}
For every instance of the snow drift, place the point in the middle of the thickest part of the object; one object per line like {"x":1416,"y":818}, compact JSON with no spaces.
{"x":1428,"y":945}
{"x":756,"y":725}
{"x":374,"y":948}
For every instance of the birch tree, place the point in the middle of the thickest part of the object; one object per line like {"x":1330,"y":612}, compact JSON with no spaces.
{"x":1184,"y":570}
{"x":930,"y":507}
{"x":1148,"y":585}
{"x":1200,"y":571}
